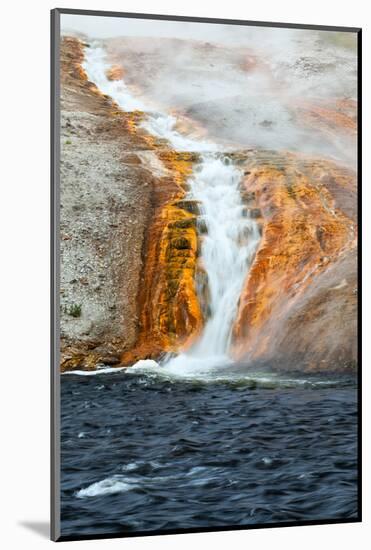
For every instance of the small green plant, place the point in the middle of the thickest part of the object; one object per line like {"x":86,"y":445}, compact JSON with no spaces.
{"x":74,"y":310}
{"x":68,"y":142}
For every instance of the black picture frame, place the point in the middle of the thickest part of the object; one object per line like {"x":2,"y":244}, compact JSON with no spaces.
{"x":55,"y":270}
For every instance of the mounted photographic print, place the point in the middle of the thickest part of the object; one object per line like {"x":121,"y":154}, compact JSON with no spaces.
{"x":205,"y":370}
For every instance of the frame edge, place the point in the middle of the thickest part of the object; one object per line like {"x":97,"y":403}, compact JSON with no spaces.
{"x":54,"y":281}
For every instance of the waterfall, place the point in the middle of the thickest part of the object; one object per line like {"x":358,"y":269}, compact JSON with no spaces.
{"x":227,"y":248}
{"x":227,"y":251}
{"x":231,"y":237}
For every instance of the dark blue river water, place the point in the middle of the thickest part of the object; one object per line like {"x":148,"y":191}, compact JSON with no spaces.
{"x":140,"y":453}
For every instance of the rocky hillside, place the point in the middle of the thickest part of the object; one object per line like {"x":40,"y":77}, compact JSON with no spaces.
{"x":298,"y":309}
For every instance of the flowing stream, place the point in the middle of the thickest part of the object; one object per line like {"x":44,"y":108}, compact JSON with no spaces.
{"x":231,"y":238}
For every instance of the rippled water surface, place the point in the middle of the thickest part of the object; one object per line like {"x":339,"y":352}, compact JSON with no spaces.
{"x":142,"y":452}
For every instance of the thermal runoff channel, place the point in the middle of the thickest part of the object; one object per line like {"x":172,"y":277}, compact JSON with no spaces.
{"x":230,"y":236}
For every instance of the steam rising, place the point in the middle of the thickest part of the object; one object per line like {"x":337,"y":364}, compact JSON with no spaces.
{"x":247,"y":86}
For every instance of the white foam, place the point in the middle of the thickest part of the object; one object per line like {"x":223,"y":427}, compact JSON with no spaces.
{"x":108,"y":486}
{"x":130,"y":467}
{"x":221,"y":369}
{"x":144,"y":364}
{"x":105,"y":370}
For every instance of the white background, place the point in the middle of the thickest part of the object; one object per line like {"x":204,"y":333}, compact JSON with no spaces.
{"x":24,"y":218}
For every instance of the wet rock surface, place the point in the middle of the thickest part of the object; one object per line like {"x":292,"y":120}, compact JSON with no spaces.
{"x":104,"y":206}
{"x":299,"y":304}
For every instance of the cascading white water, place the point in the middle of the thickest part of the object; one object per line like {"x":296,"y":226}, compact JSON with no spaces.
{"x":230,"y":242}
{"x":158,"y":124}
{"x":227,"y":250}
